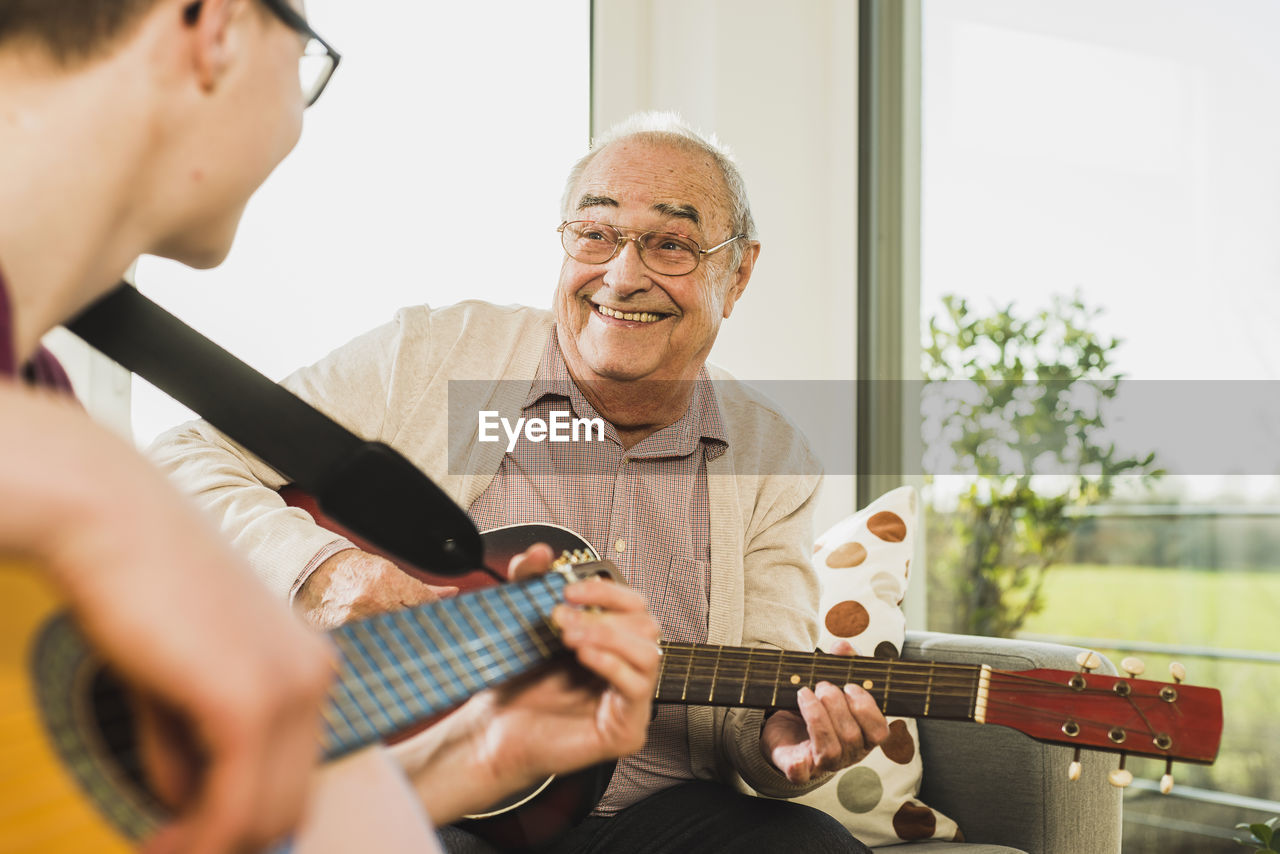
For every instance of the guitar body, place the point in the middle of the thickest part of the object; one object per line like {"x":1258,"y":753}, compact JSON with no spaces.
{"x":43,"y":808}
{"x":70,"y":776}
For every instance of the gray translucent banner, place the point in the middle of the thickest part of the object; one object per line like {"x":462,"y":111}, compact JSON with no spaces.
{"x":961,"y":427}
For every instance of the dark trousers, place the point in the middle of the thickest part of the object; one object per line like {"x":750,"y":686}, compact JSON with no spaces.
{"x":694,"y":818}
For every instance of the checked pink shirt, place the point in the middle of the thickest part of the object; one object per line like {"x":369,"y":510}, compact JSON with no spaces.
{"x":42,"y":371}
{"x":645,"y":508}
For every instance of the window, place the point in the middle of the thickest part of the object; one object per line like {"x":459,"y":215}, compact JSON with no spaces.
{"x":421,"y":137}
{"x":1125,"y":153}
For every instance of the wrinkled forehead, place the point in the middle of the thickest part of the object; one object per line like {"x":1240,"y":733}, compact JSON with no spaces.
{"x":664,"y":184}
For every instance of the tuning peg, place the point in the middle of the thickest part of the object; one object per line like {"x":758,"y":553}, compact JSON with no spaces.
{"x":1088,"y":660}
{"x":1166,"y":781}
{"x":1121,"y":777}
{"x":1073,"y":770}
{"x":1133,"y":666}
{"x":1177,"y":671}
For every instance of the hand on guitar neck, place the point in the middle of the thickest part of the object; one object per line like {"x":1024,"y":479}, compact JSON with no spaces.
{"x":834,"y":728}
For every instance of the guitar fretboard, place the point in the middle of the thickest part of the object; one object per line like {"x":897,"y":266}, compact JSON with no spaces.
{"x":405,"y":666}
{"x":749,"y":677}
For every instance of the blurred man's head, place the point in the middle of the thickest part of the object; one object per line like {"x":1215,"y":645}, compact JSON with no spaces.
{"x":206,"y":97}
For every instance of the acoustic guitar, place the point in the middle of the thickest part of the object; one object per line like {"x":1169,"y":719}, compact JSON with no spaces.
{"x":70,"y":776}
{"x":1080,"y":709}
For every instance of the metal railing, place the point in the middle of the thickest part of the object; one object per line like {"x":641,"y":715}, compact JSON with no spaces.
{"x":1207,"y":796}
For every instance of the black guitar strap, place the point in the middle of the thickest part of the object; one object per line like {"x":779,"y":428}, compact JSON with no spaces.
{"x":367,"y":486}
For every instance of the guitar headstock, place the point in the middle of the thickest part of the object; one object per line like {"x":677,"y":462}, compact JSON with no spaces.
{"x":1117,"y":714}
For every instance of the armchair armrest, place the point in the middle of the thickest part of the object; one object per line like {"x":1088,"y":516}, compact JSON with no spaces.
{"x":1001,"y":786}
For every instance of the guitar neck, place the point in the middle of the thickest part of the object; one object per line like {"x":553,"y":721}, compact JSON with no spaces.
{"x":748,"y":677}
{"x":1113,"y":713}
{"x":403,"y":667}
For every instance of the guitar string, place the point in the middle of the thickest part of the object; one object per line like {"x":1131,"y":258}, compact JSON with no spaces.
{"x":847,"y":670}
{"x":939,"y":690}
{"x":460,"y":658}
{"x":537,"y":630}
{"x":822,"y":666}
{"x":463,"y":673}
{"x":1020,"y":712}
{"x":751,"y":657}
{"x":760,"y":655}
{"x":728,"y":678}
{"x":1042,"y":715}
{"x":1131,"y":700}
{"x":702,"y":650}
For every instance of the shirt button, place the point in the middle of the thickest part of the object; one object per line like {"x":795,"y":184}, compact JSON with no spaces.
{"x":620,"y":545}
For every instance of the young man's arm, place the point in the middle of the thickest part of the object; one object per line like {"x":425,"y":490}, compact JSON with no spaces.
{"x":180,"y":618}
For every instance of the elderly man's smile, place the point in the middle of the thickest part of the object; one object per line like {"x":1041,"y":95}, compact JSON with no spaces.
{"x":628,"y":317}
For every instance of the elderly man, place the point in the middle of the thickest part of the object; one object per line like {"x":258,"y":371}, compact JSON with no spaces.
{"x":701,"y":492}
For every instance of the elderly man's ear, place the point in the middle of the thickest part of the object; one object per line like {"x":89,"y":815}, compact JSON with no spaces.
{"x":741,"y":276}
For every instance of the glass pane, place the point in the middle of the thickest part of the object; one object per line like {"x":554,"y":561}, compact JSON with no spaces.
{"x":1113,"y":165}
{"x":435,"y":117}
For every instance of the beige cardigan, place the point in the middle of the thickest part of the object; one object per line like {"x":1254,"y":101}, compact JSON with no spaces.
{"x":392,"y":384}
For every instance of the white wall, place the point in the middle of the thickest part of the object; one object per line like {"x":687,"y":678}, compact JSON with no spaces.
{"x":778,"y":83}
{"x":440,"y":117}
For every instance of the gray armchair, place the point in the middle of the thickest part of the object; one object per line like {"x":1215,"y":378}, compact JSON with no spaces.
{"x":1008,"y":792}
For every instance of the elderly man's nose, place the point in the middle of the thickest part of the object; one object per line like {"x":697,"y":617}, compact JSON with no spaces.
{"x":625,"y":270}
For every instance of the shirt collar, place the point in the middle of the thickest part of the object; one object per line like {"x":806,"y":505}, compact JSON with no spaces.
{"x":701,"y":422}
{"x":43,"y":370}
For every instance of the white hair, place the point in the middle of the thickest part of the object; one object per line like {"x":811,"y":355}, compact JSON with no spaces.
{"x":670,"y":128}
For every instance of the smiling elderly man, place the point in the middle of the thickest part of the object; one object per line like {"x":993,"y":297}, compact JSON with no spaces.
{"x":700,"y":491}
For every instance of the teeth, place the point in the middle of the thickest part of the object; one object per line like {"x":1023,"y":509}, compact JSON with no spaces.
{"x":639,"y":317}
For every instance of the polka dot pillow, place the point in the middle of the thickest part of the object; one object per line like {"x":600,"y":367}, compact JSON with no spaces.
{"x":864,"y":562}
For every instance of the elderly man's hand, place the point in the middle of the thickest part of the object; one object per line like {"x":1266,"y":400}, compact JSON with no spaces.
{"x":353,"y":584}
{"x":833,"y":729}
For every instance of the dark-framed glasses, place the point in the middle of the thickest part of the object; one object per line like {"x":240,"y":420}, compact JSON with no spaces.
{"x":319,"y":59}
{"x":661,"y":251}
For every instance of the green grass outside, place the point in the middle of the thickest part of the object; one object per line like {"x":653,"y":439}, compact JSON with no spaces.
{"x":1197,"y":608}
{"x":1191,"y":607}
